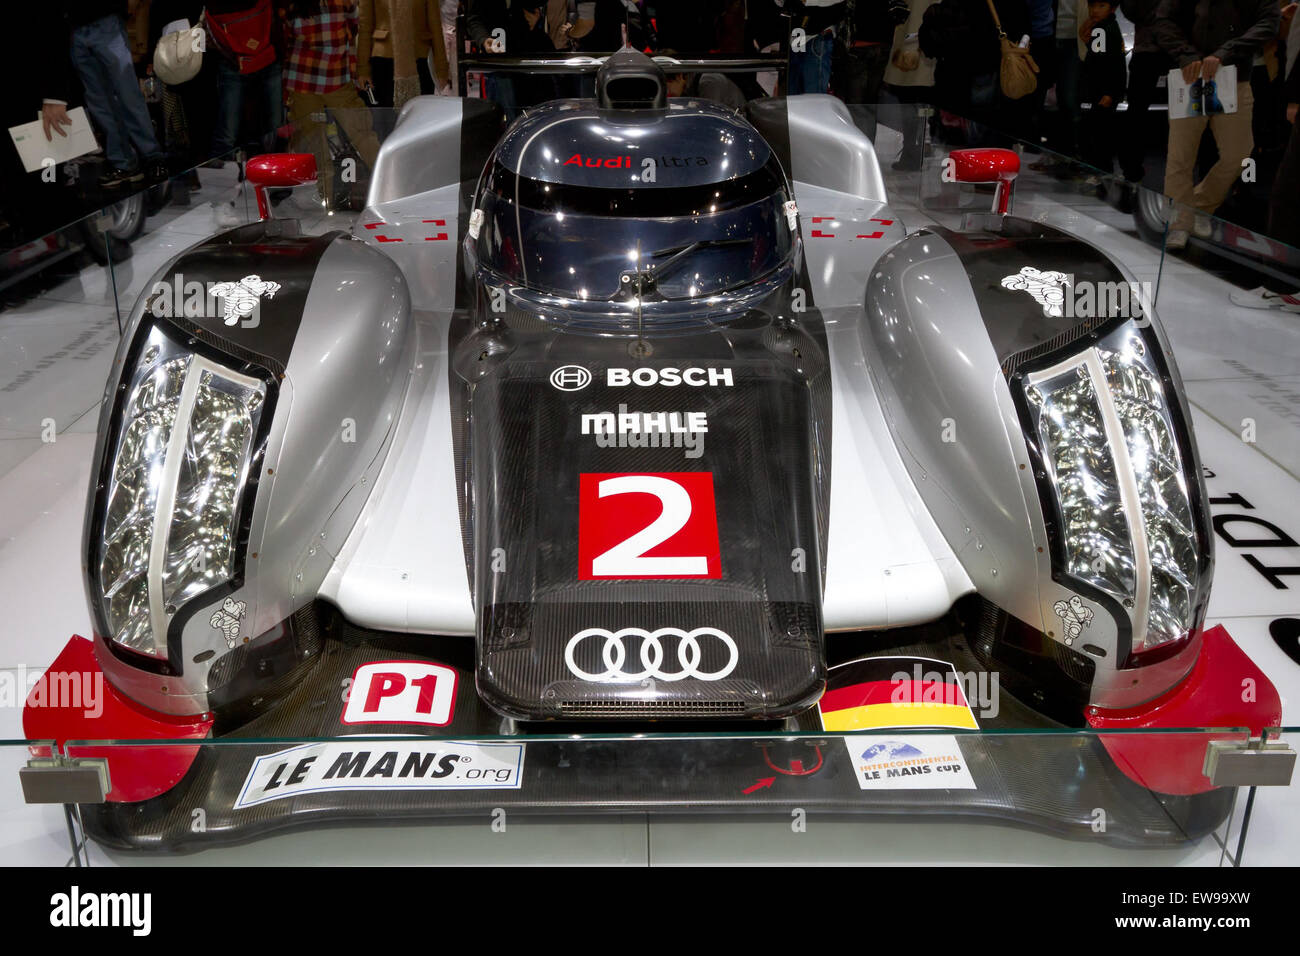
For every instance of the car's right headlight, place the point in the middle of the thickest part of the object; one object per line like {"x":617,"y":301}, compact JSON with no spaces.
{"x":177,"y":467}
{"x":1108,"y":441}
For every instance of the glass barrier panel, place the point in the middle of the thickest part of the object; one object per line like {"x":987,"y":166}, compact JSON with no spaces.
{"x":1006,"y":749}
{"x":1226,"y":301}
{"x":898,"y":795}
{"x":67,"y":292}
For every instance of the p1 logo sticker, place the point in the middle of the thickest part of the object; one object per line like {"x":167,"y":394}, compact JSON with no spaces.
{"x":647,"y":526}
{"x":401,"y":692}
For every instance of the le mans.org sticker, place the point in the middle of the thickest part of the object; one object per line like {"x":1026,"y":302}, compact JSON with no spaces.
{"x":880,"y":692}
{"x":382,"y":765}
{"x":909,"y":762}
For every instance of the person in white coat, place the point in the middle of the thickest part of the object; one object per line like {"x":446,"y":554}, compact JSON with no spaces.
{"x":910,"y":78}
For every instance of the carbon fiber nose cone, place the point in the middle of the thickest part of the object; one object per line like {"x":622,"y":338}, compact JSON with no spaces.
{"x":646,"y":539}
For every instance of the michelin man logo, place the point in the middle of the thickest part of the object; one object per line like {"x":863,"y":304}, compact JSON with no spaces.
{"x":226,"y":619}
{"x":1074,"y":615}
{"x":242,"y":297}
{"x":1047,"y":287}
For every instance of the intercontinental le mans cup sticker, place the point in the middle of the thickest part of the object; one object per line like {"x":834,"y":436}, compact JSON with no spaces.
{"x":370,"y":764}
{"x":909,"y":762}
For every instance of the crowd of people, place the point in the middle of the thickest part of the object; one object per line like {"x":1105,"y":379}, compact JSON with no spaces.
{"x":1060,"y":74}
{"x":953,"y":54}
{"x":171,"y":85}
{"x":1082,"y":60}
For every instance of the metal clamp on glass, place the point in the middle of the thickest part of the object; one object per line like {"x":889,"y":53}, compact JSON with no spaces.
{"x":1257,"y":762}
{"x":60,"y":779}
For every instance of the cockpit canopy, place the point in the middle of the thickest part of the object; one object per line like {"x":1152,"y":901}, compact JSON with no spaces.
{"x":674,"y":204}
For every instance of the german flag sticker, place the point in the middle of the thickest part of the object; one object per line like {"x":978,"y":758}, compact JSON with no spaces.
{"x":874,"y":692}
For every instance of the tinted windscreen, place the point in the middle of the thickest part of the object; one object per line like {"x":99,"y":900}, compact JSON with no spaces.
{"x":579,"y":241}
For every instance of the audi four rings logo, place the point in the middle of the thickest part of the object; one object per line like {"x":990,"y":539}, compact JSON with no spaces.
{"x":613,"y":654}
{"x":570,"y":378}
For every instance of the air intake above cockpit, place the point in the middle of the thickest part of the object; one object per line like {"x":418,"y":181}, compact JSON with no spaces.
{"x":631,"y":81}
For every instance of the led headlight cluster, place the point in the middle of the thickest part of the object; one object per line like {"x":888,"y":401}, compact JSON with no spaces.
{"x":1113,"y":461}
{"x":178,"y":468}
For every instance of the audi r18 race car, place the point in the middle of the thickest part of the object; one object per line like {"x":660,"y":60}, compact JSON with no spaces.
{"x":641,"y":416}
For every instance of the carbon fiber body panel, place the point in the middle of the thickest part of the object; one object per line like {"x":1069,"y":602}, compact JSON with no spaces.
{"x":732,"y":404}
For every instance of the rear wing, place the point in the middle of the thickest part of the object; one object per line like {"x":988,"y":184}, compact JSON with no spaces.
{"x":579,"y":64}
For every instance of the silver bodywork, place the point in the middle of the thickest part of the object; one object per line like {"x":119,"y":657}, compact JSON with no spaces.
{"x":952,"y":414}
{"x":334,"y":419}
{"x":915,"y":521}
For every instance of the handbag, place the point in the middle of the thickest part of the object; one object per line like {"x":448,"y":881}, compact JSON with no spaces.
{"x":1019,"y":71}
{"x":178,"y":57}
{"x":906,"y":60}
{"x":245,"y":36}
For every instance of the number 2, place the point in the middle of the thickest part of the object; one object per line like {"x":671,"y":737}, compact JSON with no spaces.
{"x":618,"y":528}
{"x":627,"y":558}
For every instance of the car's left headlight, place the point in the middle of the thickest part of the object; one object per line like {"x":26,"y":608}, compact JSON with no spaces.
{"x":177,"y":465}
{"x":1108,"y":442}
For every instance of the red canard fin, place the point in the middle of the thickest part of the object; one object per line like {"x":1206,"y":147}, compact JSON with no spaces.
{"x":73,"y":700}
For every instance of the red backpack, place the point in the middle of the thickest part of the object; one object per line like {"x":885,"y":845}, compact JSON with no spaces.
{"x":244,"y":35}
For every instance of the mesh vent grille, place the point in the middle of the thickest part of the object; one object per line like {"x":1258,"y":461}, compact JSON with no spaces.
{"x":637,"y":708}
{"x":986,"y":632}
{"x":1060,"y":341}
{"x":306,"y":630}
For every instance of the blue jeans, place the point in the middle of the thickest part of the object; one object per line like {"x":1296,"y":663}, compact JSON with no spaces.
{"x":233,"y":88}
{"x":501,"y":91}
{"x":810,"y":71}
{"x":103,"y":61}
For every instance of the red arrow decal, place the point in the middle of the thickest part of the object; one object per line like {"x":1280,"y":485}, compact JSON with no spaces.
{"x":376,"y":225}
{"x":762,"y":782}
{"x":877,"y":234}
{"x":817,"y":233}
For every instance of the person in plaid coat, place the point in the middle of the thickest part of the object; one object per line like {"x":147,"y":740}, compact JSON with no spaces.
{"x":320,"y":74}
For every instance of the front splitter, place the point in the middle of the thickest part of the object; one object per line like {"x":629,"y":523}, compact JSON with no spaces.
{"x":299,"y":765}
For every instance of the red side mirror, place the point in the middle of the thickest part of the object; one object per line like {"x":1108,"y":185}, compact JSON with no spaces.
{"x":1000,"y":166}
{"x":278,"y":171}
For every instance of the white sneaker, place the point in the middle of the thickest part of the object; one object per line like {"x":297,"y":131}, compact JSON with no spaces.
{"x":1177,"y":239}
{"x":1203,"y":226}
{"x":1262,"y":298}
